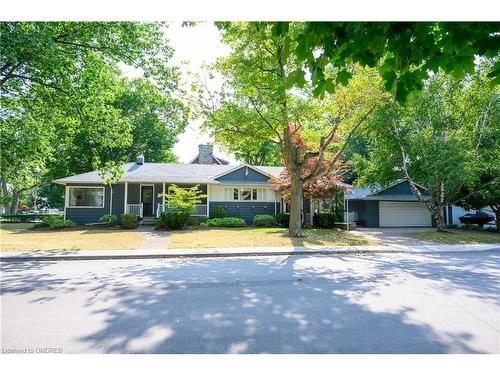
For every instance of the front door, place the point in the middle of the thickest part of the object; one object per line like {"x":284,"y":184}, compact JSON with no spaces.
{"x":147,"y":200}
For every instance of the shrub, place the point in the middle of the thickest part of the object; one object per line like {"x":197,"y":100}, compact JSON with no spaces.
{"x":191,"y":220}
{"x":55,"y":222}
{"x":263,"y":220}
{"x":173,"y":219}
{"x":109,"y":219}
{"x":325,"y":219}
{"x":219,"y":212}
{"x":27,"y":218}
{"x":283,"y":219}
{"x":129,"y":221}
{"x":225,"y":222}
{"x":49,"y":221}
{"x":202,"y":220}
{"x":453,"y":226}
{"x":61,"y":223}
{"x":158,"y":224}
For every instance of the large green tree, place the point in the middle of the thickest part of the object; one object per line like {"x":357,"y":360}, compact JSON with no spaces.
{"x":257,"y":104}
{"x":66,"y":107}
{"x":403,"y":52}
{"x":435,"y":140}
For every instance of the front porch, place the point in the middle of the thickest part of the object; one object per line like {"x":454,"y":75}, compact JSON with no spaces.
{"x":147,"y":200}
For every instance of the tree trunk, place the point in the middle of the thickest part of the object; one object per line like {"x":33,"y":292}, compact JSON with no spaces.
{"x":291,"y":157}
{"x":295,"y":229}
{"x":441,"y":226}
{"x":15,"y":202}
{"x":5,"y":193}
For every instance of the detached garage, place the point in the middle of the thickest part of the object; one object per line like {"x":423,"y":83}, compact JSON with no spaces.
{"x":394,"y":206}
{"x":404,"y":214}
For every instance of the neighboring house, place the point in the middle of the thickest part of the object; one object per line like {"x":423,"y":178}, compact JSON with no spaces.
{"x":393,"y":206}
{"x":206,"y":156}
{"x":396,"y":206}
{"x":243,"y":191}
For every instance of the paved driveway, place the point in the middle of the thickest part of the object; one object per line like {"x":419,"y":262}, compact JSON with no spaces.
{"x":393,"y":236}
{"x":392,"y":303}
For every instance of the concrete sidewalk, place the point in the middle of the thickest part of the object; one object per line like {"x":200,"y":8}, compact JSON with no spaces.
{"x":235,"y":252}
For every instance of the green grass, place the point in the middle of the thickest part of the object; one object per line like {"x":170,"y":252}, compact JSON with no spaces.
{"x":252,"y":237}
{"x":458,"y":237}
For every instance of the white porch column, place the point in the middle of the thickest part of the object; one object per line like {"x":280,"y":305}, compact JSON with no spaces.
{"x":125,"y":199}
{"x":66,"y":200}
{"x":208,"y":200}
{"x":347,"y":210}
{"x":163,"y":196}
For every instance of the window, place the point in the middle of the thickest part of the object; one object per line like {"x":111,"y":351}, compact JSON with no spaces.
{"x":245,"y":194}
{"x":86,"y":197}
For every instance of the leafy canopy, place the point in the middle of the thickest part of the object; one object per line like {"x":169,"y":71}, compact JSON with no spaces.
{"x":404,"y":52}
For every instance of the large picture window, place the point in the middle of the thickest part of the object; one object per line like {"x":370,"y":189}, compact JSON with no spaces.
{"x":86,"y":197}
{"x":247,"y":194}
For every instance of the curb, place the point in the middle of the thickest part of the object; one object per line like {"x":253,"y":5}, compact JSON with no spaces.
{"x":48,"y":258}
{"x":192,"y":255}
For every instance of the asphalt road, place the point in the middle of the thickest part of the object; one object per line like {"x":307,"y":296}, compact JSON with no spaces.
{"x":392,"y":303}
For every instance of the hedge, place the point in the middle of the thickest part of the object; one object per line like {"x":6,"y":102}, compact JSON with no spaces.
{"x":263,"y":220}
{"x":219,"y":212}
{"x":27,"y":218}
{"x":172,"y":219}
{"x":325,"y":219}
{"x":225,"y":222}
{"x":283,"y":219}
{"x":129,"y":221}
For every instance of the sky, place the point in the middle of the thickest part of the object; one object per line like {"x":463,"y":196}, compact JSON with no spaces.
{"x":195,"y":45}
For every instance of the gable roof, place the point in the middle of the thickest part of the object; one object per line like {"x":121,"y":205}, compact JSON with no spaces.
{"x":372,"y":193}
{"x":167,"y":172}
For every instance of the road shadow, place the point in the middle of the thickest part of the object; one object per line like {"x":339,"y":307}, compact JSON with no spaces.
{"x":294,"y":304}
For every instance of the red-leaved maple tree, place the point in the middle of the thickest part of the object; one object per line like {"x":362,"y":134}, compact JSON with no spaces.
{"x":321,"y":175}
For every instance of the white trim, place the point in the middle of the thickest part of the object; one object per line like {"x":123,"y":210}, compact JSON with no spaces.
{"x":208,"y":200}
{"x":239,"y":167}
{"x":87,"y":186}
{"x":110,"y":198}
{"x":163,"y":196}
{"x":125,"y":198}
{"x":65,"y":200}
{"x":152,"y":203}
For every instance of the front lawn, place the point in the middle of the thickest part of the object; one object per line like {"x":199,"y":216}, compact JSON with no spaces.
{"x":250,"y":237}
{"x":457,"y":237}
{"x":23,"y":237}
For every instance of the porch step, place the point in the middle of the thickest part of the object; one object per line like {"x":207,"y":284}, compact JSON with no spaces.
{"x":148,"y":219}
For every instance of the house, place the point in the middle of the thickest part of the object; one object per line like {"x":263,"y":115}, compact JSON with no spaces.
{"x":242,"y":190}
{"x":206,"y":156}
{"x":393,"y":206}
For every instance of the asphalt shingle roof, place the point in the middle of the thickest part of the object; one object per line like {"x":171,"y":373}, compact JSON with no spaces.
{"x":163,"y":172}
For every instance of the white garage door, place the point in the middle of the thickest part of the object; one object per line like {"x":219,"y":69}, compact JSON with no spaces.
{"x":404,"y":214}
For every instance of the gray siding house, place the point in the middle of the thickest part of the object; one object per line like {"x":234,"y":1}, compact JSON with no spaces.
{"x":242,"y":191}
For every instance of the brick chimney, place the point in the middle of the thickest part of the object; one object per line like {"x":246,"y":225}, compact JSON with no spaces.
{"x":205,"y":154}
{"x":140,"y":159}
